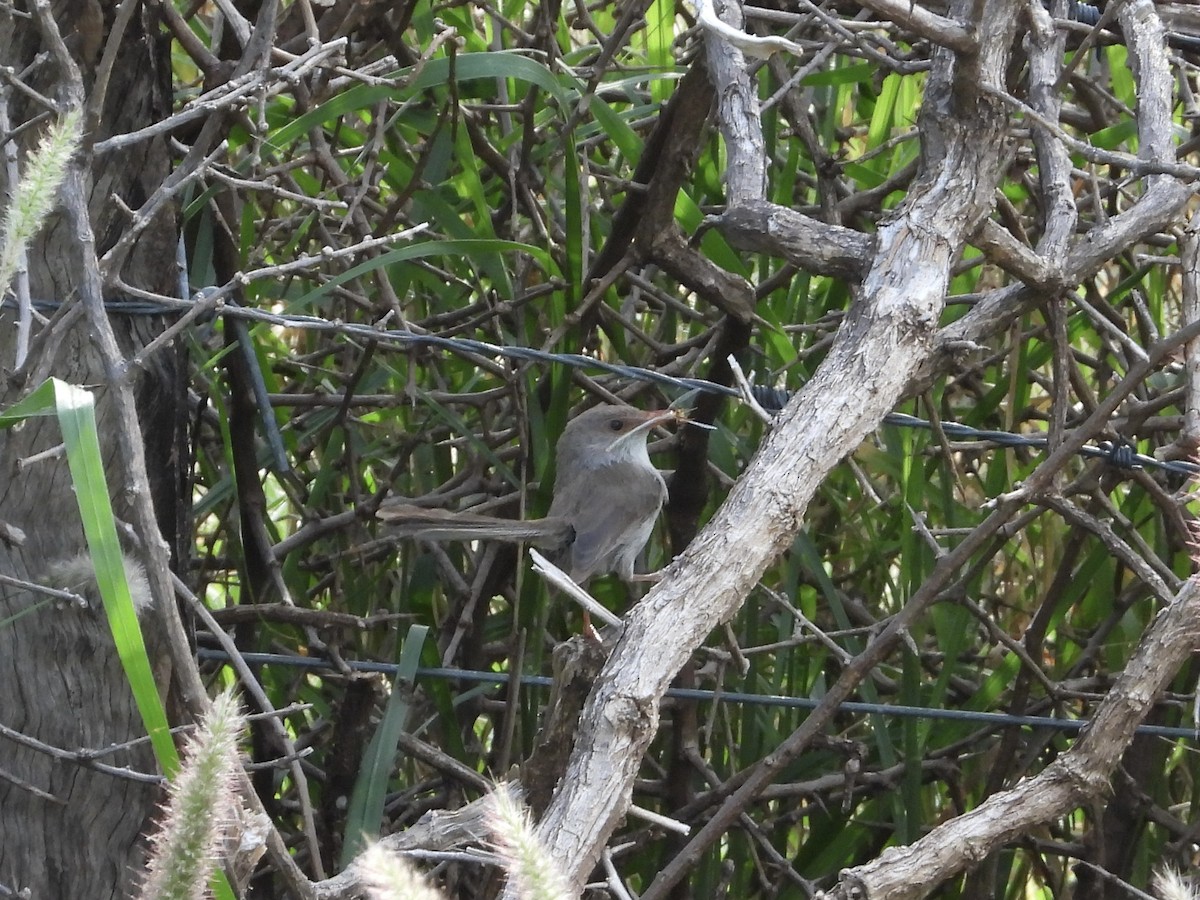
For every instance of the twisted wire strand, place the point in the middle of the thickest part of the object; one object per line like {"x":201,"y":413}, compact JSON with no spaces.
{"x":989,"y":719}
{"x":772,"y":399}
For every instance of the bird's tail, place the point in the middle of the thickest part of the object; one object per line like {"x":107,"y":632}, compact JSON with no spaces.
{"x":407,"y":520}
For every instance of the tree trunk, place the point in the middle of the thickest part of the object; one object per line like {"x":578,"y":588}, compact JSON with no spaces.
{"x":65,"y":830}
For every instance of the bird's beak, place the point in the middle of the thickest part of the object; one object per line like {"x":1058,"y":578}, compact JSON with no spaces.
{"x":650,"y":418}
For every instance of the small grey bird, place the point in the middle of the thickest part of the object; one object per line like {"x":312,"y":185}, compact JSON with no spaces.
{"x":608,"y":489}
{"x":607,"y":496}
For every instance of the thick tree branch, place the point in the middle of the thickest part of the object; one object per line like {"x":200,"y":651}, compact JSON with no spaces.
{"x":906,"y":873}
{"x":941,"y":30}
{"x":886,"y":334}
{"x":815,"y":246}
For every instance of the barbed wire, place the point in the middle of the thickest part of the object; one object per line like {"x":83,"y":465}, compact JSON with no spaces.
{"x":772,"y":399}
{"x":977,"y":717}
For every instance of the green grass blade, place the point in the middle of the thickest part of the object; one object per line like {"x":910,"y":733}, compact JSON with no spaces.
{"x":370,"y":789}
{"x":76,"y":412}
{"x":465,"y":248}
{"x":75,"y":408}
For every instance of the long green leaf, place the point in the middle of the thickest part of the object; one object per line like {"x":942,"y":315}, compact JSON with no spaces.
{"x":467,"y":248}
{"x":75,"y":408}
{"x":370,"y":789}
{"x":76,"y":412}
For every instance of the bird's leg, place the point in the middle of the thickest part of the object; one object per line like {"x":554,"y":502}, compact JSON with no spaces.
{"x":589,"y":630}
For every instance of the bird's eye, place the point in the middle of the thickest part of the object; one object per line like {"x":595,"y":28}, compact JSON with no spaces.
{"x":615,"y":424}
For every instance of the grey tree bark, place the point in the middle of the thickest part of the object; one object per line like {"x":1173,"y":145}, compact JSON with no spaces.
{"x":66,"y":830}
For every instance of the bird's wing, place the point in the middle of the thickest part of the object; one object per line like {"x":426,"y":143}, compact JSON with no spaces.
{"x":605,"y":528}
